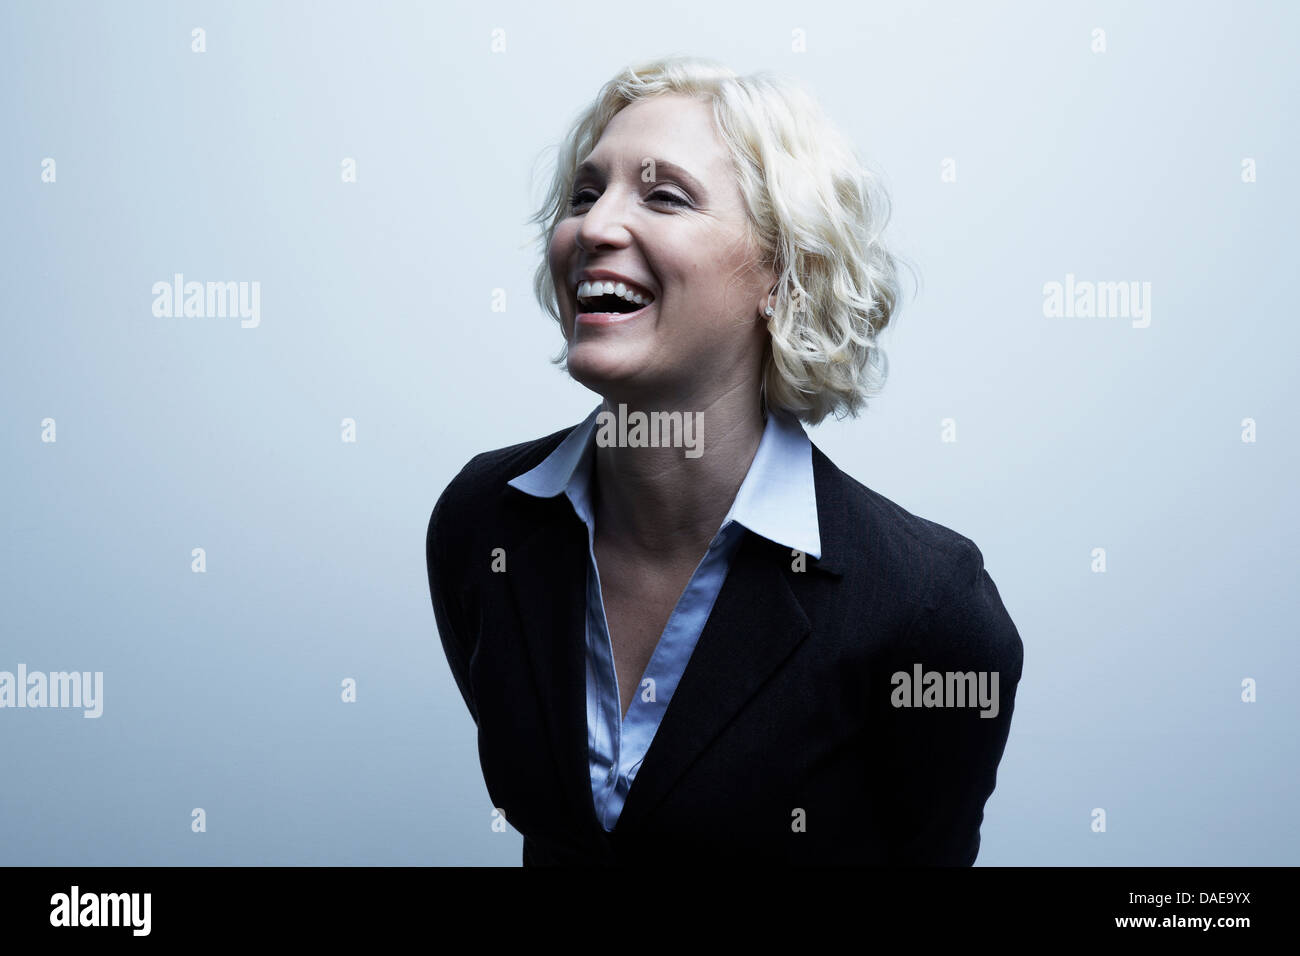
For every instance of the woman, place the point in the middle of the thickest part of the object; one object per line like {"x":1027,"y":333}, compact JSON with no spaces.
{"x":682,"y":632}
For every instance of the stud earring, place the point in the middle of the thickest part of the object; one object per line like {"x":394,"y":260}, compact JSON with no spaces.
{"x":769,"y":311}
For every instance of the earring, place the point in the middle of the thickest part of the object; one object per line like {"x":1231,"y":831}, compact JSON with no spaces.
{"x":769,"y":311}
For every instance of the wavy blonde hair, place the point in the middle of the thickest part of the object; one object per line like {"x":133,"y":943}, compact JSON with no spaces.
{"x":814,"y":210}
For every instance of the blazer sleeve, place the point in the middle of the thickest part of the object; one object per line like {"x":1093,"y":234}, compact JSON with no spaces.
{"x":944,"y":760}
{"x":447,"y":591}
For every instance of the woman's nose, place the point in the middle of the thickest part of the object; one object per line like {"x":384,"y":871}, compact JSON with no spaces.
{"x":603,"y":223}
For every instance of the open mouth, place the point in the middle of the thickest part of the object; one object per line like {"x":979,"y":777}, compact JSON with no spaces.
{"x":610,"y":301}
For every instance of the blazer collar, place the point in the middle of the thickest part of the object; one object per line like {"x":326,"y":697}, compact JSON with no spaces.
{"x":777,"y":499}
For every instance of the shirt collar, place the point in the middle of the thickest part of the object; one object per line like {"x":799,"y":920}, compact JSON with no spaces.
{"x":777,"y":499}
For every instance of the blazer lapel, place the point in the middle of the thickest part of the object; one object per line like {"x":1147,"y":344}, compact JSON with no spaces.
{"x":548,"y":576}
{"x":754,"y":626}
{"x":756,"y":623}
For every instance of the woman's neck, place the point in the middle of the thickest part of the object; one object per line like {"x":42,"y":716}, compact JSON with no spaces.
{"x":667,"y":503}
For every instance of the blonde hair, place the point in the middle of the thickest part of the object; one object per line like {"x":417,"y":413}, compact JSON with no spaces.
{"x":814,"y":210}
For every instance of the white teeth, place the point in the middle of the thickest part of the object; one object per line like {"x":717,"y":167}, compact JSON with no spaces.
{"x":587,"y":290}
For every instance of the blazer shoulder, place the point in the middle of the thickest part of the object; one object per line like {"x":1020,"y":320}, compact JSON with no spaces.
{"x":480,"y":482}
{"x":959,"y":609}
{"x":927,"y":548}
{"x":938,"y":571}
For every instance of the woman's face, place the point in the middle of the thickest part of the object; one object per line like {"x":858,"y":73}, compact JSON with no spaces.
{"x":657,"y":205}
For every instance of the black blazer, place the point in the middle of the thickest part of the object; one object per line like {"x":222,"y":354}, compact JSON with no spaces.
{"x":781,"y":743}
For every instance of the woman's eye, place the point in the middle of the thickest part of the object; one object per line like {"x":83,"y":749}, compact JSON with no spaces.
{"x":584,"y":196}
{"x":669,"y":197}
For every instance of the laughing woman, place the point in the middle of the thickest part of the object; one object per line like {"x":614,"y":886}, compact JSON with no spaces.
{"x":701,"y":640}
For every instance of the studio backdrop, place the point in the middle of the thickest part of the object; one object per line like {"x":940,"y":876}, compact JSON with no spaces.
{"x":214,"y":508}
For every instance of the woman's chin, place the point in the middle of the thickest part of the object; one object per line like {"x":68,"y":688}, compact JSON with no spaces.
{"x":598,"y":364}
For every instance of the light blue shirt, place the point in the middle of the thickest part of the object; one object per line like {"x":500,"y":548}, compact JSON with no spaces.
{"x":777,"y":500}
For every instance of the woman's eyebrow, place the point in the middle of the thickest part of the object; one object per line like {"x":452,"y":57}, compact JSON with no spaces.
{"x":678,"y":172}
{"x":593,"y":169}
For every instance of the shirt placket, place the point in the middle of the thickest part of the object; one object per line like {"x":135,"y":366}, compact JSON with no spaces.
{"x":609,"y":719}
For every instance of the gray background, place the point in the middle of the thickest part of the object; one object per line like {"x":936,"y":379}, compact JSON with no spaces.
{"x":222,"y":689}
